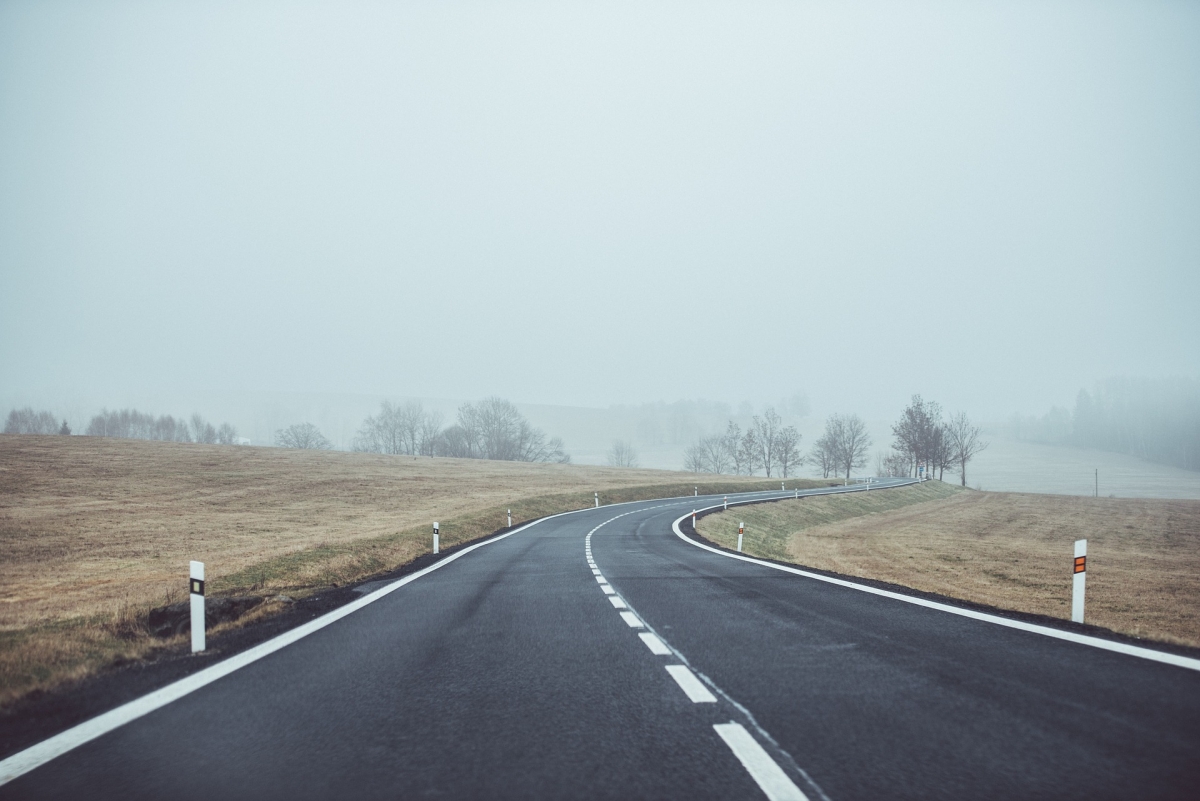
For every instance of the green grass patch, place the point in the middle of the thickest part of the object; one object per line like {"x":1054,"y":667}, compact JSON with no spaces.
{"x":770,"y":526}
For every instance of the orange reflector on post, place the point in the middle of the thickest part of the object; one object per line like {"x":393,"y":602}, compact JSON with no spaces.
{"x":1080,"y":564}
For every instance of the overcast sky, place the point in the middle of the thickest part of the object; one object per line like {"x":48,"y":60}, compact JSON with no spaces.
{"x":993,"y":204}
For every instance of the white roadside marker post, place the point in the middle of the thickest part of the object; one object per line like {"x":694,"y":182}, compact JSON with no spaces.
{"x":741,"y":530}
{"x":695,"y":492}
{"x":693,"y":520}
{"x":781,"y":487}
{"x":725,"y":505}
{"x":196,"y":586}
{"x":510,"y":518}
{"x":1078,"y":580}
{"x":597,"y":500}
{"x":435,"y":537}
{"x":797,"y":493}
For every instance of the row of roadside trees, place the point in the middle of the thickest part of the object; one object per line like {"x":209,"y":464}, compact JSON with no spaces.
{"x":921,"y":438}
{"x":765,"y":445}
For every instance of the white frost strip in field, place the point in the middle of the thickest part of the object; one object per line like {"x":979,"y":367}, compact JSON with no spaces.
{"x":758,"y":763}
{"x":36,"y":755}
{"x":1046,"y":631}
{"x":691,"y":685}
{"x":631,"y":620}
{"x":656,"y":646}
{"x":617,"y":602}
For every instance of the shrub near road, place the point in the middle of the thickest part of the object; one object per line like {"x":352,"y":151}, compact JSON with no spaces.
{"x":95,"y":532}
{"x":1007,"y":550}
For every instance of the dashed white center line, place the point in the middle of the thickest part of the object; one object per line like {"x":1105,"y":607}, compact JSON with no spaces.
{"x":764,"y":770}
{"x":601,"y":580}
{"x":617,"y":602}
{"x":608,"y":590}
{"x":595,"y":572}
{"x":656,"y":646}
{"x":691,"y":685}
{"x":631,"y":620}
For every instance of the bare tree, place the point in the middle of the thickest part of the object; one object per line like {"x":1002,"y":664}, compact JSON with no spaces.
{"x":304,"y":436}
{"x":824,"y":455}
{"x":732,"y":443}
{"x":622,"y":454}
{"x":695,"y":459}
{"x":202,"y":431}
{"x":749,"y":451}
{"x":766,"y":439}
{"x":919,"y":433}
{"x":27,"y":421}
{"x":493,"y":428}
{"x":964,"y":442}
{"x":227,"y":434}
{"x":787,"y":450}
{"x":847,"y":436}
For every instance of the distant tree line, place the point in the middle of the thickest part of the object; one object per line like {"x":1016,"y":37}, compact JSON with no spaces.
{"x":765,"y":445}
{"x":1157,"y":420}
{"x":126,"y":424}
{"x":27,"y":421}
{"x":493,"y":428}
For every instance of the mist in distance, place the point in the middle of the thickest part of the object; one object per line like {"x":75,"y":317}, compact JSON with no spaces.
{"x":246,"y":210}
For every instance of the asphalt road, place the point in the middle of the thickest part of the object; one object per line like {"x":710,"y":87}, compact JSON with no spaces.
{"x":663,"y":671}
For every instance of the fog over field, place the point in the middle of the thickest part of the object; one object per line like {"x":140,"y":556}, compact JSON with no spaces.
{"x":272,"y":212}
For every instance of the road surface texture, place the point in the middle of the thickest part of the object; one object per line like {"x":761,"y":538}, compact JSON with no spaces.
{"x":601,"y":655}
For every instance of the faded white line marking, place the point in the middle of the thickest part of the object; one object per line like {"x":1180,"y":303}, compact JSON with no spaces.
{"x":691,"y":685}
{"x":656,"y":646}
{"x":758,"y":763}
{"x":617,"y":602}
{"x":601,"y":580}
{"x":608,"y":590}
{"x":631,"y":619}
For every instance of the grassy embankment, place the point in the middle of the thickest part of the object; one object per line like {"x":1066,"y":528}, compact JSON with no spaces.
{"x":1008,"y":550}
{"x":96,"y":532}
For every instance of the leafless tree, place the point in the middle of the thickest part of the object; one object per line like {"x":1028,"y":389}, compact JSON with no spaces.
{"x":766,"y":439}
{"x":65,"y":430}
{"x":493,"y":428}
{"x":622,"y":454}
{"x":847,"y":436}
{"x":749,"y":452}
{"x":824,"y":455}
{"x":964,"y":442}
{"x":918,"y":433}
{"x":203,"y":431}
{"x":787,"y":450}
{"x":894,"y":463}
{"x":227,"y":434}
{"x":304,"y":436}
{"x":27,"y":421}
{"x":732,"y":443}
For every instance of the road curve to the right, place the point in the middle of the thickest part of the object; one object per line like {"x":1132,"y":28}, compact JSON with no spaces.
{"x":877,"y":698}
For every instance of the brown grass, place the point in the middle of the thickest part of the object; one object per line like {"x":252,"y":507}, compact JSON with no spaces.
{"x":1007,"y":550}
{"x":94,"y":532}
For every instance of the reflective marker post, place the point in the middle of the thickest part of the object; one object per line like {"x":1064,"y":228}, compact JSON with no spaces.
{"x":695,"y":492}
{"x":726,"y":504}
{"x":435,"y":537}
{"x":196,"y":589}
{"x":597,"y":500}
{"x":1078,"y":580}
{"x":510,"y":518}
{"x":693,"y":520}
{"x":741,"y":530}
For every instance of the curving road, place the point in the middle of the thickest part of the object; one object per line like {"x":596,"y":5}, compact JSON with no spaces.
{"x":601,"y":654}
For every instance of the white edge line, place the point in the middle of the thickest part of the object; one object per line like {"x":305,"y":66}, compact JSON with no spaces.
{"x":770,"y":778}
{"x":656,"y":646}
{"x":37,"y":755}
{"x":1046,"y":631}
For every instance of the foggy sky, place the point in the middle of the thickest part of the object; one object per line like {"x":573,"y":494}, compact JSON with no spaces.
{"x":994,"y":204}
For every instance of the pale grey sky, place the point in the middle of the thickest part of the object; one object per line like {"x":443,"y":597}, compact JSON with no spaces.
{"x":993,"y":204}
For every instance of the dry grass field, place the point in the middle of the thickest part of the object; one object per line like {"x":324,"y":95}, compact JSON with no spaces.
{"x":94,"y":532}
{"x":1007,"y":550}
